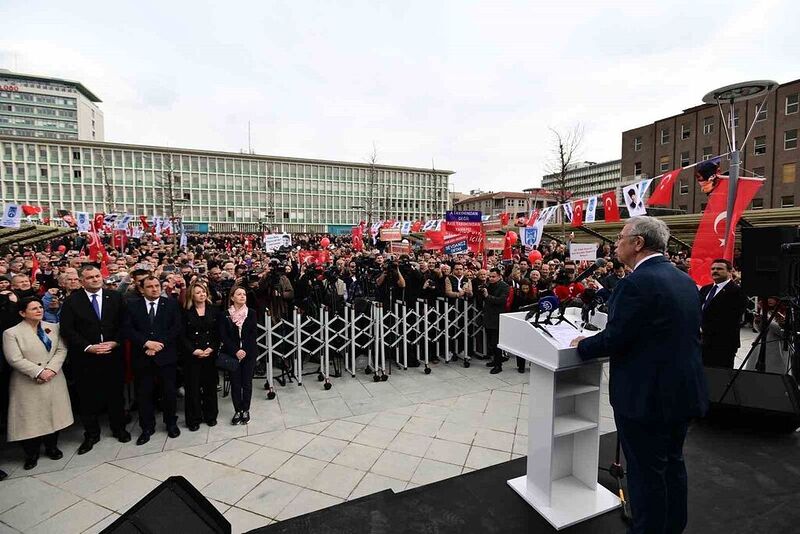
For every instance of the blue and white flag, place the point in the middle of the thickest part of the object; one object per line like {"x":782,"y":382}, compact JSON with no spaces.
{"x":12,"y":215}
{"x":591,"y":210}
{"x":83,"y":221}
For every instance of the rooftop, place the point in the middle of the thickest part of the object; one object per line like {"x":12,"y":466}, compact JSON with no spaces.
{"x":33,"y":78}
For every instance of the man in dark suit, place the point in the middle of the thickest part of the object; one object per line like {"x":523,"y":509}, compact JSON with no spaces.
{"x":153,"y":326}
{"x":656,"y":375}
{"x":91,"y":324}
{"x":723,"y":305}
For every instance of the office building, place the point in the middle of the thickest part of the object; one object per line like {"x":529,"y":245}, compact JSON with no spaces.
{"x":518,"y":204}
{"x":698,"y":134}
{"x":586,"y":178}
{"x":228,"y":191}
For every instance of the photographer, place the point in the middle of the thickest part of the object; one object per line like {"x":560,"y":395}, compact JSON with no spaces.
{"x":495,"y":295}
{"x":275,"y":291}
{"x":54,"y":297}
{"x":390,"y":283}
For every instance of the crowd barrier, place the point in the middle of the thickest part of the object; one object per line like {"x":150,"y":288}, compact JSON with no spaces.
{"x":331,"y":341}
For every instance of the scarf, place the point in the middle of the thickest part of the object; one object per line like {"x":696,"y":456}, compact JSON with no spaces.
{"x":238,"y":317}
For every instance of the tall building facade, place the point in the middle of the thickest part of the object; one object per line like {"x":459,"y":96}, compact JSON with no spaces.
{"x":587,"y":178}
{"x":515,"y":203}
{"x":228,"y":191}
{"x":48,"y":108}
{"x":699,"y":134}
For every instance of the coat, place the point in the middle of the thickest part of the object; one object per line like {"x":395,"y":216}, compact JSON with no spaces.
{"x":166,"y":329}
{"x":35,"y":409}
{"x":722,"y":318}
{"x":494,"y":304}
{"x":652,"y":338}
{"x":230,"y":339}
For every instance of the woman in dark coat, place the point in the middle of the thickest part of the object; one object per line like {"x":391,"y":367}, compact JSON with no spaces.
{"x":199,"y":344}
{"x":238,"y":331}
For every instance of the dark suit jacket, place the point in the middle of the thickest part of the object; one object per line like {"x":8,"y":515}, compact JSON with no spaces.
{"x":229,"y":335}
{"x":199,"y":332}
{"x":722,"y":318}
{"x":166,"y":329}
{"x":80,"y":326}
{"x":653,"y":339}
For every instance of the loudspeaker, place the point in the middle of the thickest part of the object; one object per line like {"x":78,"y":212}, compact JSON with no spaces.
{"x":767,"y":400}
{"x":174,"y":506}
{"x":764,"y":273}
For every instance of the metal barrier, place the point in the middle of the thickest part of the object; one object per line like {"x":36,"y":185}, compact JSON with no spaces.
{"x":429,"y":329}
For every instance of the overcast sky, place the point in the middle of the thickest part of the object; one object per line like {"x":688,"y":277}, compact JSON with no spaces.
{"x":471,"y":86}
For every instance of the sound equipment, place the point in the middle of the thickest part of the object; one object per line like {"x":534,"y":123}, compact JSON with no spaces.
{"x":764,"y":271}
{"x":769,"y":401}
{"x":174,"y":506}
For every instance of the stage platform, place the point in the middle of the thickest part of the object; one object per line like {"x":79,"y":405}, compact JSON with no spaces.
{"x":739,"y":482}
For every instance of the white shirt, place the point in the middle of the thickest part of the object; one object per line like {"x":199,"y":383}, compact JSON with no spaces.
{"x":719,"y":286}
{"x":99,"y":294}
{"x":147,"y":303}
{"x":638,"y":263}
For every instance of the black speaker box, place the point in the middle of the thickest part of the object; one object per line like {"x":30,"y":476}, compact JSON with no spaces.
{"x":175,"y":506}
{"x":769,"y":401}
{"x":764,"y":274}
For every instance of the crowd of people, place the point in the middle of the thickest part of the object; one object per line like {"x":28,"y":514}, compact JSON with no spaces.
{"x":75,"y":331}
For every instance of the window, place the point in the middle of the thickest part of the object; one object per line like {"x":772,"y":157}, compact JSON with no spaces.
{"x":792,"y":103}
{"x":43,"y":172}
{"x":706,"y":153}
{"x":683,"y":187}
{"x":664,"y":163}
{"x":758,"y":172}
{"x":708,"y":125}
{"x":637,"y":168}
{"x":787,"y":202}
{"x":790,"y":139}
{"x":735,"y":119}
{"x":757,"y":204}
{"x":637,"y":144}
{"x":664,"y":136}
{"x":684,"y":158}
{"x":187,"y":196}
{"x":76,"y":173}
{"x":762,"y":115}
{"x":686,"y":132}
{"x":76,"y":155}
{"x":760,"y":145}
{"x":789,"y":174}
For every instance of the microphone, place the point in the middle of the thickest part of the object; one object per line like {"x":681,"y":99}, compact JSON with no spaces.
{"x":546,"y":304}
{"x":589,"y":271}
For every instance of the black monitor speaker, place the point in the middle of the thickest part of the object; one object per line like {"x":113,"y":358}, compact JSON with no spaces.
{"x":765,"y":271}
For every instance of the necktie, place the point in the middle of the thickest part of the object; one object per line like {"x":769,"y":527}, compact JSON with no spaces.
{"x":43,"y":337}
{"x":152,"y":313}
{"x":710,"y":296}
{"x":95,"y":305}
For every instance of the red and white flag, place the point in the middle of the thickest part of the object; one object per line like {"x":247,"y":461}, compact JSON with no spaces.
{"x":662,"y":196}
{"x":577,"y":213}
{"x":610,"y":208}
{"x":532,"y":218}
{"x":710,"y":242}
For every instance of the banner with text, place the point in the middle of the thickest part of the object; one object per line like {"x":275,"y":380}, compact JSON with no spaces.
{"x":467,"y":224}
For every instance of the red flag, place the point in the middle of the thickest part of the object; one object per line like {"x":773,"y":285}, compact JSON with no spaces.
{"x":504,"y":217}
{"x":662,"y":196}
{"x":577,"y":213}
{"x":434,"y":240}
{"x":145,"y":226}
{"x":34,"y":268}
{"x":99,"y":221}
{"x":610,"y":207}
{"x":532,"y":219}
{"x":30,"y":210}
{"x":710,"y":243}
{"x":95,"y":246}
{"x":104,"y":267}
{"x":388,"y":224}
{"x":416,"y":226}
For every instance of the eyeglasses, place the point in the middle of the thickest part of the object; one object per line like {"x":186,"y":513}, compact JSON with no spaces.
{"x":622,"y":236}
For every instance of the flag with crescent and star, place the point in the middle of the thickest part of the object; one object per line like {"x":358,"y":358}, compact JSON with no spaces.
{"x":662,"y":196}
{"x":610,"y":208}
{"x":577,"y":213}
{"x":591,"y":209}
{"x":710,"y":242}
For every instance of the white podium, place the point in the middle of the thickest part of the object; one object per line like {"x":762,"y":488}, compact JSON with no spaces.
{"x":563,"y":421}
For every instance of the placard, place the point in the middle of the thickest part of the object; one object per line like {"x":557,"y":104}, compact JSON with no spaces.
{"x":458,"y":247}
{"x":582,"y":251}
{"x":495,"y":242}
{"x":390,"y":234}
{"x":273,"y":242}
{"x":400,"y":248}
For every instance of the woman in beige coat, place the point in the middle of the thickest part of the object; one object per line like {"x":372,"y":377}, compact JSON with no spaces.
{"x":38,"y":404}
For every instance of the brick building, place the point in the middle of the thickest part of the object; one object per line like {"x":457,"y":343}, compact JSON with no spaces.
{"x":697,"y":134}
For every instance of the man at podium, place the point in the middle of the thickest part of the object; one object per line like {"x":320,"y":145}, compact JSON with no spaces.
{"x":657,"y":383}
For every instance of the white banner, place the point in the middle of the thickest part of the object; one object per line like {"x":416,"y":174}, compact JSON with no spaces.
{"x":582,"y":251}
{"x":11,"y":216}
{"x":591,"y":210}
{"x":122,"y":222}
{"x":83,"y":221}
{"x":632,"y":199}
{"x":273,"y":242}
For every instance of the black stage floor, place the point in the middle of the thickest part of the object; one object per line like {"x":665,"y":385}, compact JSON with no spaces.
{"x":739,"y":482}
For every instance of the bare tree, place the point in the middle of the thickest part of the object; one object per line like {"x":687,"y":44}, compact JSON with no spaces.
{"x":108,"y":186}
{"x":565,"y":149}
{"x":372,"y":184}
{"x":168,"y":183}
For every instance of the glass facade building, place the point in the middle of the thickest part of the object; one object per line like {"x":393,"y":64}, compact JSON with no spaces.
{"x":587,"y":178}
{"x":229,"y":191}
{"x":49,"y":108}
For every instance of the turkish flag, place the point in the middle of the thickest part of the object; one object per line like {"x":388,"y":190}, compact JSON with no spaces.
{"x":577,"y":213}
{"x":532,"y":219}
{"x":30,"y":210}
{"x":99,"y":221}
{"x":416,"y":226}
{"x":434,"y":240}
{"x":504,"y":217}
{"x":610,"y":208}
{"x":662,"y":196}
{"x":96,"y":249}
{"x":143,"y":220}
{"x":388,"y":224}
{"x":710,"y":243}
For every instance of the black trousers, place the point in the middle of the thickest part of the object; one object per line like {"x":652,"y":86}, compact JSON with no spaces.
{"x":242,"y":384}
{"x":100,"y":382}
{"x":656,"y":474}
{"x":147,"y":374}
{"x":32,"y":446}
{"x":200,"y":401}
{"x":492,"y":337}
{"x":719,"y":356}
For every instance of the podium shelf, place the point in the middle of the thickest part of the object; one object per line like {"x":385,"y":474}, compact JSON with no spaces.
{"x":570,"y":389}
{"x":564,"y":425}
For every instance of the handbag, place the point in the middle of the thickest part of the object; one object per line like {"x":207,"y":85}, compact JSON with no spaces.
{"x":226,"y":362}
